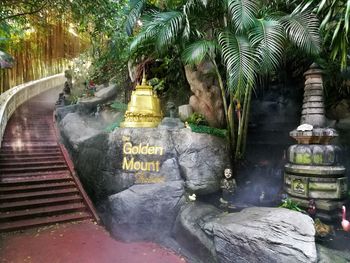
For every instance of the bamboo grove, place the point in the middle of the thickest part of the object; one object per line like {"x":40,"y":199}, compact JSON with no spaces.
{"x":41,"y":52}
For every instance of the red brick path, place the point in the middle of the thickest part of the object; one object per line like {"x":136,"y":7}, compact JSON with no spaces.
{"x":79,"y":242}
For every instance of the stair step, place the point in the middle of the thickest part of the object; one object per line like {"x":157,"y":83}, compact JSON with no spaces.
{"x":29,"y":159}
{"x":32,"y":147}
{"x":27,"y":148}
{"x":33,"y":187}
{"x":30,"y":154}
{"x":42,"y":211}
{"x":38,"y":194}
{"x":28,"y":204}
{"x":36,"y":222}
{"x":37,"y":163}
{"x":27,"y":153}
{"x":33,"y":169}
{"x":35,"y":177}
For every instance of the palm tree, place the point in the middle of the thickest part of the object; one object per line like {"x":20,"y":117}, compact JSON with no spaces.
{"x":237,"y":35}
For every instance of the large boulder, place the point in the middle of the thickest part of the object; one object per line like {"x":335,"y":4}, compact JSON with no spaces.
{"x":263,"y":235}
{"x":106,"y":92}
{"x":103,"y":95}
{"x":61,"y":112}
{"x":189,"y":233}
{"x":202,"y":159}
{"x":76,"y":130}
{"x":206,"y":98}
{"x":141,"y":174}
{"x":169,"y":155}
{"x":145,"y":212}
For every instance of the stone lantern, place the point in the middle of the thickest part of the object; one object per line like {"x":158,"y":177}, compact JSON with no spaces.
{"x":314,"y":170}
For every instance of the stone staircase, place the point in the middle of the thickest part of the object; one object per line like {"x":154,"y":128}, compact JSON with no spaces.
{"x":37,"y":182}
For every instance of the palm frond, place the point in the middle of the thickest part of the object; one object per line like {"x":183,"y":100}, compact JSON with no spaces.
{"x":242,"y":13}
{"x":170,"y":26}
{"x":160,"y":28}
{"x":195,"y":53}
{"x":135,"y":11}
{"x":195,"y":4}
{"x":268,"y":39}
{"x":303,"y":31}
{"x":147,"y":34}
{"x":240,"y":61}
{"x":187,"y":28}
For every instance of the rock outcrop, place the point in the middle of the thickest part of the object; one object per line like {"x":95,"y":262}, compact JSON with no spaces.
{"x":263,"y":235}
{"x":142,"y":174}
{"x":207,"y":98}
{"x":145,"y":211}
{"x":197,"y":159}
{"x":189,"y":233}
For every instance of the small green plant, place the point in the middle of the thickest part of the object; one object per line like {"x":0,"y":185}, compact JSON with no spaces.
{"x":208,"y":130}
{"x":73,"y":99}
{"x":157,"y":84}
{"x":197,"y":119}
{"x":119,"y":106}
{"x":290,"y":204}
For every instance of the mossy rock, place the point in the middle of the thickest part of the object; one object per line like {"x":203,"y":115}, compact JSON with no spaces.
{"x":314,"y":154}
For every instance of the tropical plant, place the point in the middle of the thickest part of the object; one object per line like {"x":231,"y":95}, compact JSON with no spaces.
{"x":290,"y":204}
{"x":335,"y":26}
{"x":208,"y":130}
{"x":196,"y":119}
{"x":240,"y":37}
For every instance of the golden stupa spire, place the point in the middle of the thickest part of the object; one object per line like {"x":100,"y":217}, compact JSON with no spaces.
{"x":144,"y":81}
{"x":144,"y":107}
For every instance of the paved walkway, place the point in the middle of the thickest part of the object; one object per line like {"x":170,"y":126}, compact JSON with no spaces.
{"x":78,"y":242}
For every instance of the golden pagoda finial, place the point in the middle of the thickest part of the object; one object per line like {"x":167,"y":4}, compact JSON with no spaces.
{"x":144,"y":108}
{"x":144,"y":81}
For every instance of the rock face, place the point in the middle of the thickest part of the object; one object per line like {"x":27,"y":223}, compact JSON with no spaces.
{"x":202,"y":159}
{"x":145,"y":211}
{"x":143,"y":173}
{"x":185,"y":111}
{"x":207,"y":98}
{"x":188,"y":230}
{"x":101,"y":96}
{"x":76,"y":129}
{"x":116,"y":162}
{"x":263,"y":235}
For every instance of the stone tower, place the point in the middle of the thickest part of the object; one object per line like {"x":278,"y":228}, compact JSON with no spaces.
{"x":314,"y":170}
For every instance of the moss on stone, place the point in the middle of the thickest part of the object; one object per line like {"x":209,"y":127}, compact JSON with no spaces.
{"x":303,"y":158}
{"x":318,"y":159}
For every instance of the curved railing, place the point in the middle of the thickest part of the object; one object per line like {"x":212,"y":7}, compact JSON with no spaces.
{"x":12,"y":98}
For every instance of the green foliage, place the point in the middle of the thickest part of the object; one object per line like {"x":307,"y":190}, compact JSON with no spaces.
{"x":198,"y":51}
{"x":157,"y":84}
{"x":119,"y":106}
{"x":197,"y":119}
{"x":248,"y":41}
{"x":73,"y":99}
{"x":115,"y":125}
{"x":290,"y":204}
{"x":209,"y":130}
{"x":335,"y":21}
{"x":243,"y":39}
